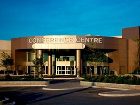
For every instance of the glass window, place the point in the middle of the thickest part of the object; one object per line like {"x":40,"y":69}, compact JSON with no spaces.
{"x":60,"y":72}
{"x":65,"y":58}
{"x":68,"y":67}
{"x":63,"y":67}
{"x":63,"y":72}
{"x":72,"y":58}
{"x":58,"y":67}
{"x":61,"y":58}
{"x":45,"y":57}
{"x":31,"y":56}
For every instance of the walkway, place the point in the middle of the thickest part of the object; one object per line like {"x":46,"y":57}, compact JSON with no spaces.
{"x":64,"y":85}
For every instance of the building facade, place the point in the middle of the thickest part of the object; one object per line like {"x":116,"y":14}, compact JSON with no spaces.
{"x":68,"y":54}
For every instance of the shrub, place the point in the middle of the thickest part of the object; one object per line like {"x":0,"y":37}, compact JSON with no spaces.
{"x":94,"y":78}
{"x":87,"y":78}
{"x":106,"y":79}
{"x":119,"y":80}
{"x":114,"y":79}
{"x":135,"y":80}
{"x":100,"y":79}
{"x":109,"y":79}
{"x":20,"y":78}
{"x":8,"y":77}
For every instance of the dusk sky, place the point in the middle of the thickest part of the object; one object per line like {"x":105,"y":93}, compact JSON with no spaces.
{"x":20,"y":18}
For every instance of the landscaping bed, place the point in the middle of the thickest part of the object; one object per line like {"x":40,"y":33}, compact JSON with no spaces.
{"x":130,"y":79}
{"x":23,"y":83}
{"x":15,"y":81}
{"x":109,"y":85}
{"x":59,"y":76}
{"x":120,"y":82}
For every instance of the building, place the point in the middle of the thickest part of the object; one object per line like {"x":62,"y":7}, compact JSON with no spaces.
{"x":67,"y":54}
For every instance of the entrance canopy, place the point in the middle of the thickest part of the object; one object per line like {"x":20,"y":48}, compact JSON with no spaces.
{"x":59,"y":46}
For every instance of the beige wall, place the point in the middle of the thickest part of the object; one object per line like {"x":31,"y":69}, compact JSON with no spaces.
{"x":5,"y":45}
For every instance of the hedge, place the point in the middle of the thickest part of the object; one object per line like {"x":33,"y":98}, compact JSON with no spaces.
{"x":114,"y":79}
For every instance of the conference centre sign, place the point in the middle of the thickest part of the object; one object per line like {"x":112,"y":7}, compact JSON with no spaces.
{"x":65,"y":39}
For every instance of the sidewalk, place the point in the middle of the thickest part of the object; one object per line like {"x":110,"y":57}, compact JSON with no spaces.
{"x":64,"y":85}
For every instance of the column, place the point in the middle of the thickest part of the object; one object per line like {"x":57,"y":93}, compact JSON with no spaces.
{"x":49,"y":64}
{"x":27,"y":62}
{"x":53,"y":65}
{"x":95,"y":69}
{"x":38,"y":53}
{"x":78,"y":62}
{"x":45,"y":70}
{"x":27,"y":70}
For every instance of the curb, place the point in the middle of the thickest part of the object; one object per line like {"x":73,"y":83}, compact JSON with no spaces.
{"x":109,"y":94}
{"x":75,"y":78}
{"x":57,"y":89}
{"x":110,"y":85}
{"x":22,"y":85}
{"x":110,"y":88}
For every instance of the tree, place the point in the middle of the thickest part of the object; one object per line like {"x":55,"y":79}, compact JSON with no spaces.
{"x":94,"y":56}
{"x":6,"y":61}
{"x":38,"y":62}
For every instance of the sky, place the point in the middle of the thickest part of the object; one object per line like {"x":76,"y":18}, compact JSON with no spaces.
{"x":21,"y":18}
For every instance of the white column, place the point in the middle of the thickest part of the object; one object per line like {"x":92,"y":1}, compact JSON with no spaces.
{"x":49,"y":64}
{"x":45,"y":69}
{"x":38,"y":53}
{"x":78,"y":62}
{"x":27,"y":69}
{"x":95,"y":69}
{"x":26,"y":62}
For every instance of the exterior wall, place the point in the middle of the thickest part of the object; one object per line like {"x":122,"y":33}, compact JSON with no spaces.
{"x":20,"y":61}
{"x":5,"y":45}
{"x":132,"y":55}
{"x":132,"y":34}
{"x":18,"y":43}
{"x":114,"y":65}
{"x":107,"y":43}
{"x":123,"y":56}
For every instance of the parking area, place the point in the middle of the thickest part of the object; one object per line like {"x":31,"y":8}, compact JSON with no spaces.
{"x":77,"y":96}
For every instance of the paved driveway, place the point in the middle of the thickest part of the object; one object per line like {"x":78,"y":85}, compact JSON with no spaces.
{"x":81,"y":96}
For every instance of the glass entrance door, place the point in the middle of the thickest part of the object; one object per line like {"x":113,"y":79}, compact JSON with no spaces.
{"x":65,"y":70}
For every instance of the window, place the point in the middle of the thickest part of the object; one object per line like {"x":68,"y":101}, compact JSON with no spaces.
{"x":63,"y":67}
{"x":45,"y":57}
{"x":31,"y":56}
